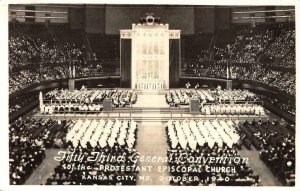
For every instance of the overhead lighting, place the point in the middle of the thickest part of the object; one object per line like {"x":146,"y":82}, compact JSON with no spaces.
{"x":265,"y":11}
{"x":34,"y":11}
{"x":263,"y":17}
{"x":38,"y":17}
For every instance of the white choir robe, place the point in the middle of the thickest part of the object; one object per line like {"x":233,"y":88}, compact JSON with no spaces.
{"x":121,"y":141}
{"x":183,"y":143}
{"x":193,"y":144}
{"x":200,"y":140}
{"x":210,"y":142}
{"x":111,"y":142}
{"x":220,"y":143}
{"x":102,"y":142}
{"x":174,"y":143}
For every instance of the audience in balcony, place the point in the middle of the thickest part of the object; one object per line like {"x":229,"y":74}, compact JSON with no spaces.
{"x":84,"y":70}
{"x":27,"y":50}
{"x":251,"y":45}
{"x":21,"y":79}
{"x":284,"y":81}
{"x":282,"y":44}
{"x":275,"y":43}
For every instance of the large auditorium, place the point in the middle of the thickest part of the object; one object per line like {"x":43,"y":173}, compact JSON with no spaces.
{"x":178,"y":95}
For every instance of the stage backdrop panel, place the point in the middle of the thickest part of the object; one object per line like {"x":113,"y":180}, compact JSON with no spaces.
{"x":174,"y":59}
{"x":125,"y":58}
{"x":122,"y":17}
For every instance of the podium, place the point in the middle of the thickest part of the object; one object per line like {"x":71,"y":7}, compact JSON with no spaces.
{"x":107,"y":104}
{"x":194,"y":106}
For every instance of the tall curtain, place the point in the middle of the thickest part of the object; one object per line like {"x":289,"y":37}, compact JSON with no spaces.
{"x":174,"y":59}
{"x":125,"y":63}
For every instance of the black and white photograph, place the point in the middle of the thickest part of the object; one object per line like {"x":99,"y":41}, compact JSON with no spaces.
{"x":151,"y":95}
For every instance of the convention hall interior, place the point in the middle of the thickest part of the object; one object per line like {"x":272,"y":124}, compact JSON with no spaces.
{"x":182,"y":95}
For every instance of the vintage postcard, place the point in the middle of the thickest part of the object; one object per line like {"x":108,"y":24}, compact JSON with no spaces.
{"x":151,"y":94}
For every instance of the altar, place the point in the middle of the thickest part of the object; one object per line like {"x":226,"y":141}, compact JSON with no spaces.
{"x":150,"y":56}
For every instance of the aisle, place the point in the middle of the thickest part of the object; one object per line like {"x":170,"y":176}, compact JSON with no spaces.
{"x":43,"y":171}
{"x":153,"y":100}
{"x":152,"y":142}
{"x":265,"y":175}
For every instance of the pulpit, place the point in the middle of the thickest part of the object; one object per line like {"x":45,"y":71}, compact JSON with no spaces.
{"x":194,"y":106}
{"x":107,"y":104}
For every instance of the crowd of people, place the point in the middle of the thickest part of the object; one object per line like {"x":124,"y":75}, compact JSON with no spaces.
{"x":284,"y":81}
{"x":176,"y":97}
{"x":283,"y":44}
{"x":233,"y":95}
{"x":14,"y":108}
{"x":287,"y":105}
{"x":288,"y":61}
{"x":279,"y":79}
{"x":89,"y":133}
{"x":276,"y":142}
{"x":194,"y":134}
{"x":251,"y":44}
{"x":98,"y":68}
{"x":21,"y":79}
{"x":28,"y":139}
{"x":91,"y":70}
{"x":206,"y":139}
{"x":274,"y":45}
{"x":84,"y":100}
{"x":206,"y":69}
{"x":25,"y":50}
{"x":40,"y":54}
{"x":110,"y":138}
{"x":232,"y":109}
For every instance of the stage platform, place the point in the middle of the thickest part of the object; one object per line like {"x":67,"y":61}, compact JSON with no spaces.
{"x":148,"y":115}
{"x":150,"y":106}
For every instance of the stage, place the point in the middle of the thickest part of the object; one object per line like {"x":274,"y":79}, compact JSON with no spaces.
{"x":150,"y":106}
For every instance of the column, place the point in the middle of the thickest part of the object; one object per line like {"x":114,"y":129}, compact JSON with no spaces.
{"x":71,"y":83}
